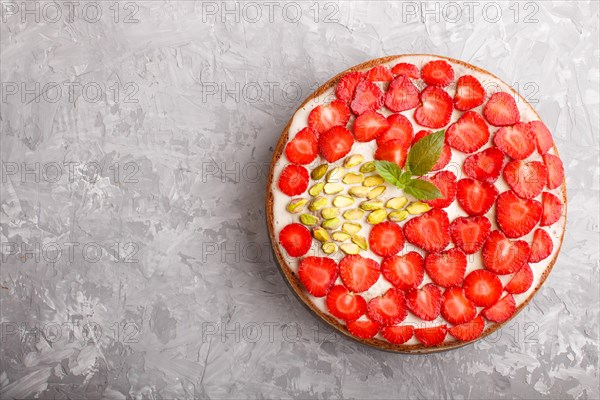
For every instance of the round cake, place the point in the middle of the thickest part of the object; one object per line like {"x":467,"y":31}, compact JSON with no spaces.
{"x":416,"y":203}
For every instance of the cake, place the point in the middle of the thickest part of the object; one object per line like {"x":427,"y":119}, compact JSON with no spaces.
{"x":415,"y":203}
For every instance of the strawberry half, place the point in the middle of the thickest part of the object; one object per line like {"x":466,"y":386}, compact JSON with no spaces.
{"x":504,"y":256}
{"x":345,"y":305}
{"x":515,"y":216}
{"x":404,"y":272}
{"x":317,"y":274}
{"x":293,"y":180}
{"x":556,"y":171}
{"x":475,"y":197}
{"x":295,"y":239}
{"x":483,"y":288}
{"x":515,"y":141}
{"x":469,"y":330}
{"x":347,"y":84}
{"x":302,"y":149}
{"x":468,"y":133}
{"x":363,"y":329}
{"x":446,"y":268}
{"x":386,"y":239}
{"x":393,"y":150}
{"x":501,"y":110}
{"x":324,"y":117}
{"x":407,"y":69}
{"x":551,"y":209}
{"x":367,"y":97}
{"x":435,"y":109}
{"x":541,"y":246}
{"x":437,"y":73}
{"x":336,"y":143}
{"x":502,"y":310}
{"x":402,"y":94}
{"x":470,"y":233}
{"x":399,"y":128}
{"x":469,"y":93}
{"x":398,"y":334}
{"x":426,"y":302}
{"x":445,"y":155}
{"x":388,"y":309}
{"x":456,"y":308}
{"x":431,"y":336}
{"x":369,"y":125}
{"x":526,"y":178}
{"x":543,"y":137}
{"x":445,"y":181}
{"x":484,"y":166}
{"x":380,"y":73}
{"x":429,"y":231}
{"x":521,"y":280}
{"x":358,"y":273}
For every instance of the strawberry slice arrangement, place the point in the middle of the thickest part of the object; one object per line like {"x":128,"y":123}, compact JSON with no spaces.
{"x":421,"y":206}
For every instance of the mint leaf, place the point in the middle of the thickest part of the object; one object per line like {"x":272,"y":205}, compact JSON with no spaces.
{"x":405,"y":178}
{"x":422,"y":190}
{"x":425,"y":153}
{"x":391,"y":172}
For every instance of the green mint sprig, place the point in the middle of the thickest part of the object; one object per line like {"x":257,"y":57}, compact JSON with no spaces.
{"x":421,"y":158}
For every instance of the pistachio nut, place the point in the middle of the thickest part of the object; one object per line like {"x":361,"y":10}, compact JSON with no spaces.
{"x":329,"y":247}
{"x":353,"y":160}
{"x":376,"y":192}
{"x":396,"y":203}
{"x":360,"y":242}
{"x":330,"y":212}
{"x":320,"y":234}
{"x":317,"y":203}
{"x":309,"y":219}
{"x":353,"y":177}
{"x":343,"y":201}
{"x":340,"y":236}
{"x":417,"y":208}
{"x":316,"y":189}
{"x":333,"y":188}
{"x":332,"y":223}
{"x":354,"y":214}
{"x":373,"y":180}
{"x":296,"y":205}
{"x":397,"y":216}
{"x":319,"y":172}
{"x":350,"y":248}
{"x":335,"y":175}
{"x":351,"y":227}
{"x":371,"y":205}
{"x":367,"y":167}
{"x":377,"y":216}
{"x":359,"y":191}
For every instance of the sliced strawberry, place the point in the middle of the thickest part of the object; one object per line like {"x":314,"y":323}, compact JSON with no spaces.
{"x":541,"y":246}
{"x":426,"y":302}
{"x":469,"y":330}
{"x":404,"y":272}
{"x":407,"y":69}
{"x":367,"y":97}
{"x":324,"y":117}
{"x":302,"y":149}
{"x":551,"y":209}
{"x":515,"y":141}
{"x":345,"y":305}
{"x":435,"y":109}
{"x":380,"y":73}
{"x":469,"y":93}
{"x":317,"y":274}
{"x":437,"y":73}
{"x":521,"y":280}
{"x":388,"y":309}
{"x":456,"y":308}
{"x":369,"y":125}
{"x":386,"y":239}
{"x":526,"y":178}
{"x":468,"y":133}
{"x":515,"y":216}
{"x":446,"y":268}
{"x":502,"y":310}
{"x":293,"y":180}
{"x":398,"y":334}
{"x":335,"y":143}
{"x":445,"y":156}
{"x":429,"y":231}
{"x":364,"y":329}
{"x":543,"y":137}
{"x":445,"y":181}
{"x":431,"y":336}
{"x":483,"y":288}
{"x":295,"y":239}
{"x":556,"y":171}
{"x":504,"y":256}
{"x":402,"y":94}
{"x":475,"y":197}
{"x":470,"y":233}
{"x":501,"y":110}
{"x":358,"y":273}
{"x":484,"y":166}
{"x":400,"y":128}
{"x":393,"y":151}
{"x":347,"y":84}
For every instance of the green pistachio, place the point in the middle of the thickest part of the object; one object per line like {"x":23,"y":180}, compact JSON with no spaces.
{"x":396,"y":203}
{"x":353,"y":214}
{"x":308,"y":219}
{"x":333,"y":188}
{"x":340,"y":236}
{"x":319,"y":172}
{"x":371,"y":205}
{"x":360,"y":242}
{"x":353,"y":177}
{"x":373,"y":180}
{"x":397,"y":216}
{"x":329,"y":247}
{"x":317,"y":203}
{"x":417,"y":208}
{"x":296,"y":205}
{"x":353,"y":160}
{"x":331,"y":224}
{"x":377,"y":216}
{"x":320,"y":234}
{"x":376,"y":192}
{"x":367,"y":167}
{"x":330,"y":212}
{"x":316,"y":189}
{"x":343,"y":201}
{"x":351,"y":227}
{"x":335,"y":175}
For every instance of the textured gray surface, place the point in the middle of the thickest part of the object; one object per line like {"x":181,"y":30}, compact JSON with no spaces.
{"x":144,"y":169}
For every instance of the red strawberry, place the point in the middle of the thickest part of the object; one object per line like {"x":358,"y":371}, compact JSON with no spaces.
{"x":515,"y":141}
{"x":456,"y":308}
{"x":345,"y":305}
{"x":407,"y":69}
{"x":335,"y":143}
{"x":517,"y":217}
{"x":295,"y":239}
{"x":526,"y":178}
{"x":543,"y":137}
{"x":431,"y":336}
{"x":445,"y":181}
{"x":469,"y":330}
{"x":400,"y":128}
{"x":446,"y":268}
{"x":475,"y":197}
{"x":469,"y":233}
{"x":435,"y":109}
{"x":429,"y":231}
{"x":426,"y":302}
{"x":388,"y":309}
{"x":501,"y":110}
{"x":504,"y":256}
{"x":402,"y":94}
{"x":556,"y":172}
{"x":386,"y":239}
{"x":483,"y":288}
{"x":438,"y":73}
{"x":324,"y":117}
{"x":364,"y":329}
{"x":367,"y":97}
{"x":404,"y":272}
{"x":502,"y":310}
{"x":358,"y":273}
{"x":393,"y":151}
{"x":369,"y":125}
{"x":552,"y":209}
{"x":469,"y":133}
{"x":380,"y":73}
{"x":541,"y":246}
{"x":445,"y":156}
{"x":469,"y":93}
{"x":302,"y":149}
{"x":293,"y":180}
{"x":398,"y":334}
{"x":484,"y":166}
{"x":521,"y":280}
{"x":347,"y":84}
{"x":317,"y":274}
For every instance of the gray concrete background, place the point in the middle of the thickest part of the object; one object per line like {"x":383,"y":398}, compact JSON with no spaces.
{"x":135,"y":147}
